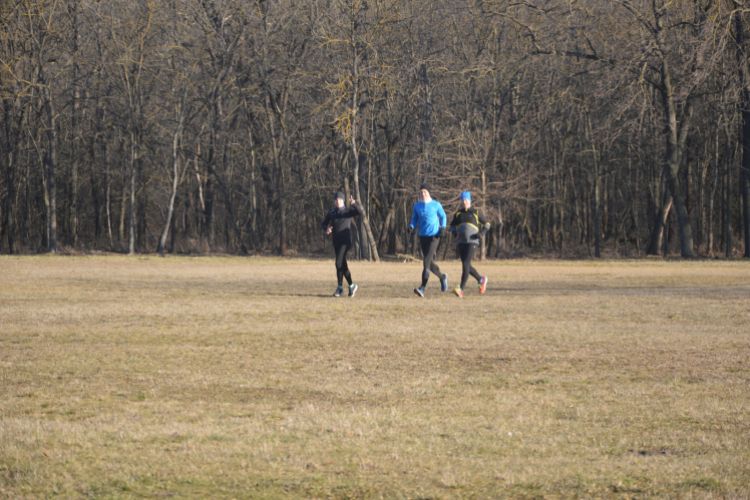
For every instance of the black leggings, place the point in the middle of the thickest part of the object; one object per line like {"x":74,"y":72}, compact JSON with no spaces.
{"x":429,"y":246}
{"x":466,"y":251}
{"x":342,"y":269}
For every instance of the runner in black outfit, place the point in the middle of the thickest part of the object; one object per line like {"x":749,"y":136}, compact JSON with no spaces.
{"x":469,"y":224}
{"x":338,"y":221}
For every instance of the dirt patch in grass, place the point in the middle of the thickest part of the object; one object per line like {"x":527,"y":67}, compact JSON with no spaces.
{"x":244,"y":378}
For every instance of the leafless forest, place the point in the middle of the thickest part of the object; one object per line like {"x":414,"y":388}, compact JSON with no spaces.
{"x":582,"y":127}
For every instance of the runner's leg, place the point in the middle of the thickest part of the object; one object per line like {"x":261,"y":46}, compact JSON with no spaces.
{"x":345,"y":265}
{"x":429,"y":246}
{"x":468,"y":268}
{"x":466,"y":252}
{"x":433,"y":265}
{"x":475,"y":274}
{"x":341,"y":268}
{"x":424,"y":243}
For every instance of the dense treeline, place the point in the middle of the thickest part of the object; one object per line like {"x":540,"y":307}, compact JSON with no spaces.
{"x":581,"y":127}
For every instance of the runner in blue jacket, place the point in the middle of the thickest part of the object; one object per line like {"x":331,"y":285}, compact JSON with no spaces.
{"x":429,"y":215}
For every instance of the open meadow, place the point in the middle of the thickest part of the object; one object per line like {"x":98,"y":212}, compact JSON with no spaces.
{"x":238,"y":378}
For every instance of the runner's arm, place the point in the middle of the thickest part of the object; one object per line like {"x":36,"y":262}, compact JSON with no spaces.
{"x":485,"y":224}
{"x":454,"y":222}
{"x":442,"y":218}
{"x":414,"y":218}
{"x":354,"y":210}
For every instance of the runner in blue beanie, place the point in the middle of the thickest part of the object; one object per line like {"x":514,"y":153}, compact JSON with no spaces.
{"x":469,"y":224}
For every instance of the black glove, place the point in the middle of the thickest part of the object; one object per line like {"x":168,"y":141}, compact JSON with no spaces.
{"x":440,"y":232}
{"x":410,"y":230}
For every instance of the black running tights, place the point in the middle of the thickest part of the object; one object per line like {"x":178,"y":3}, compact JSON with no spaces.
{"x":342,"y":269}
{"x":429,"y":246}
{"x":466,"y":251}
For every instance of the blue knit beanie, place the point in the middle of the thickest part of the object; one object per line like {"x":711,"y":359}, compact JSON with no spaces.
{"x":466,"y":195}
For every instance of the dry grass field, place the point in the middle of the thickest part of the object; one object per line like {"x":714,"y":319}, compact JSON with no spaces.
{"x":236,"y":378}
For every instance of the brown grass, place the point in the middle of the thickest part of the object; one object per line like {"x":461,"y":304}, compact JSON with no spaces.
{"x":242,"y":378}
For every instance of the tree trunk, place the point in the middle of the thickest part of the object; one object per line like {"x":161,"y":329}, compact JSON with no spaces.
{"x":743,"y":45}
{"x":74,"y":181}
{"x":683,"y":219}
{"x":482,"y":245}
{"x":633,"y":207}
{"x":676,"y":138}
{"x":9,"y":177}
{"x":108,"y":197}
{"x":597,"y":193}
{"x":728,"y":203}
{"x":746,"y":168}
{"x":230,"y":211}
{"x":355,"y":155}
{"x":132,"y":184}
{"x":597,"y":210}
{"x":388,"y":228}
{"x":282,"y":211}
{"x":51,"y":174}
{"x":27,"y":207}
{"x":499,"y":230}
{"x":657,"y":235}
{"x":132,"y":84}
{"x":175,"y":176}
{"x":426,"y":125}
{"x":253,"y":197}
{"x":712,"y":196}
{"x":123,"y":210}
{"x":280,"y":177}
{"x":10,"y":229}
